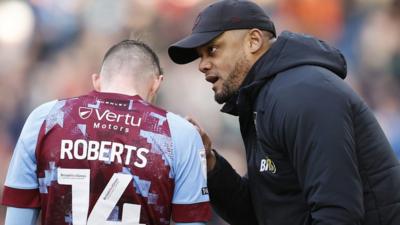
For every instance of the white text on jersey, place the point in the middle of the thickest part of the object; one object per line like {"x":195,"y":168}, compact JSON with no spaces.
{"x":104,"y":150}
{"x":113,"y":117}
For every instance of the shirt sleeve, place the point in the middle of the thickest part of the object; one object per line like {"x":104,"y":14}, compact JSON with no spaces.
{"x":190,"y":202}
{"x":17,"y":216}
{"x":224,"y":182}
{"x":21,"y":185}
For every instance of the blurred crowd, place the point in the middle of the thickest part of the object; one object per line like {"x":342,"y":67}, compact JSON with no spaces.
{"x":50,"y":48}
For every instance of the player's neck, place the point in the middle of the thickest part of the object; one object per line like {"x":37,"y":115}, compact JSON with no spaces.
{"x":122,"y":90}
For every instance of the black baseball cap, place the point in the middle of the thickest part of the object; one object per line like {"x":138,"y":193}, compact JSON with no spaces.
{"x":214,"y":20}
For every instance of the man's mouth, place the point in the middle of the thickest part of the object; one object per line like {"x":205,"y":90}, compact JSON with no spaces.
{"x":212,"y":79}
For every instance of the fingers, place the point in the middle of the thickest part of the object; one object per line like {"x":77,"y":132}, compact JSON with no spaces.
{"x":192,"y":121}
{"x":198,"y":127}
{"x":195,"y":124}
{"x":211,"y":159}
{"x":204,"y":136}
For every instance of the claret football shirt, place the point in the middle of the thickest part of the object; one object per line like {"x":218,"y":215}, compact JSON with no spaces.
{"x":108,"y":157}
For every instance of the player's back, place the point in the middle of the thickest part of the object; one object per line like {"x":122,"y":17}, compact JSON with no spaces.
{"x":111,"y":157}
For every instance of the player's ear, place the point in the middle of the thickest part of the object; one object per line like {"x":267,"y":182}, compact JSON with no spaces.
{"x":154,"y":88}
{"x":96,"y":82}
{"x":157,"y":83}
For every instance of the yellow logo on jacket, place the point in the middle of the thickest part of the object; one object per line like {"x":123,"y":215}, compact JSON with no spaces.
{"x":268,"y":165}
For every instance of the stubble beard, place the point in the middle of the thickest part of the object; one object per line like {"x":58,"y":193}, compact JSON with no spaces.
{"x":232,"y":83}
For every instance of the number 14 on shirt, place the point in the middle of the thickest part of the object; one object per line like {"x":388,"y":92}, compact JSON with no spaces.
{"x":79,"y":179}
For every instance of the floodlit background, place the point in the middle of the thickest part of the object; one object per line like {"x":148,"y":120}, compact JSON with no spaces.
{"x":49,"y":49}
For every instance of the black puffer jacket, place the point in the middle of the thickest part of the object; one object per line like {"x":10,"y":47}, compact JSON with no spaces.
{"x":315,"y":153}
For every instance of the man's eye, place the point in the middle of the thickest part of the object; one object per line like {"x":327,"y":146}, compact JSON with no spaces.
{"x":212,"y":50}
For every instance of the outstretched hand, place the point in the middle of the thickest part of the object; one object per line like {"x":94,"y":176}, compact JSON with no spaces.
{"x":207,"y":144}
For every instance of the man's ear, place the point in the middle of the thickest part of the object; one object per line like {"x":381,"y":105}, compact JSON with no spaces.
{"x":154,"y":88}
{"x":156,"y":84}
{"x":96,"y":81}
{"x":255,"y":40}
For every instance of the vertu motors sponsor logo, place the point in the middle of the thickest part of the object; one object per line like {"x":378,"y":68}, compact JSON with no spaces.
{"x":110,"y":120}
{"x":85,"y":112}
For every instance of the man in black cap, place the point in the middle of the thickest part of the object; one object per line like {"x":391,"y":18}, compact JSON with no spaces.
{"x":315,"y":153}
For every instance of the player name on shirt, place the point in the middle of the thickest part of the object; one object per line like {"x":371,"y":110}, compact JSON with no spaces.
{"x":102,"y":150}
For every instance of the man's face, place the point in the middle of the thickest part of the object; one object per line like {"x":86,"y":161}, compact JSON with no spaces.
{"x":224,"y":63}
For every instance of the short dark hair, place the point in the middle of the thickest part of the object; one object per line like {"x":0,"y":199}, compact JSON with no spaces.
{"x":126,"y":44}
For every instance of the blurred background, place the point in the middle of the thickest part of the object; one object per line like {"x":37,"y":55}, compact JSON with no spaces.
{"x":50,"y":48}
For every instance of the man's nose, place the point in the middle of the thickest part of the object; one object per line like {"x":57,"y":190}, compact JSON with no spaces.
{"x":204,"y":65}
